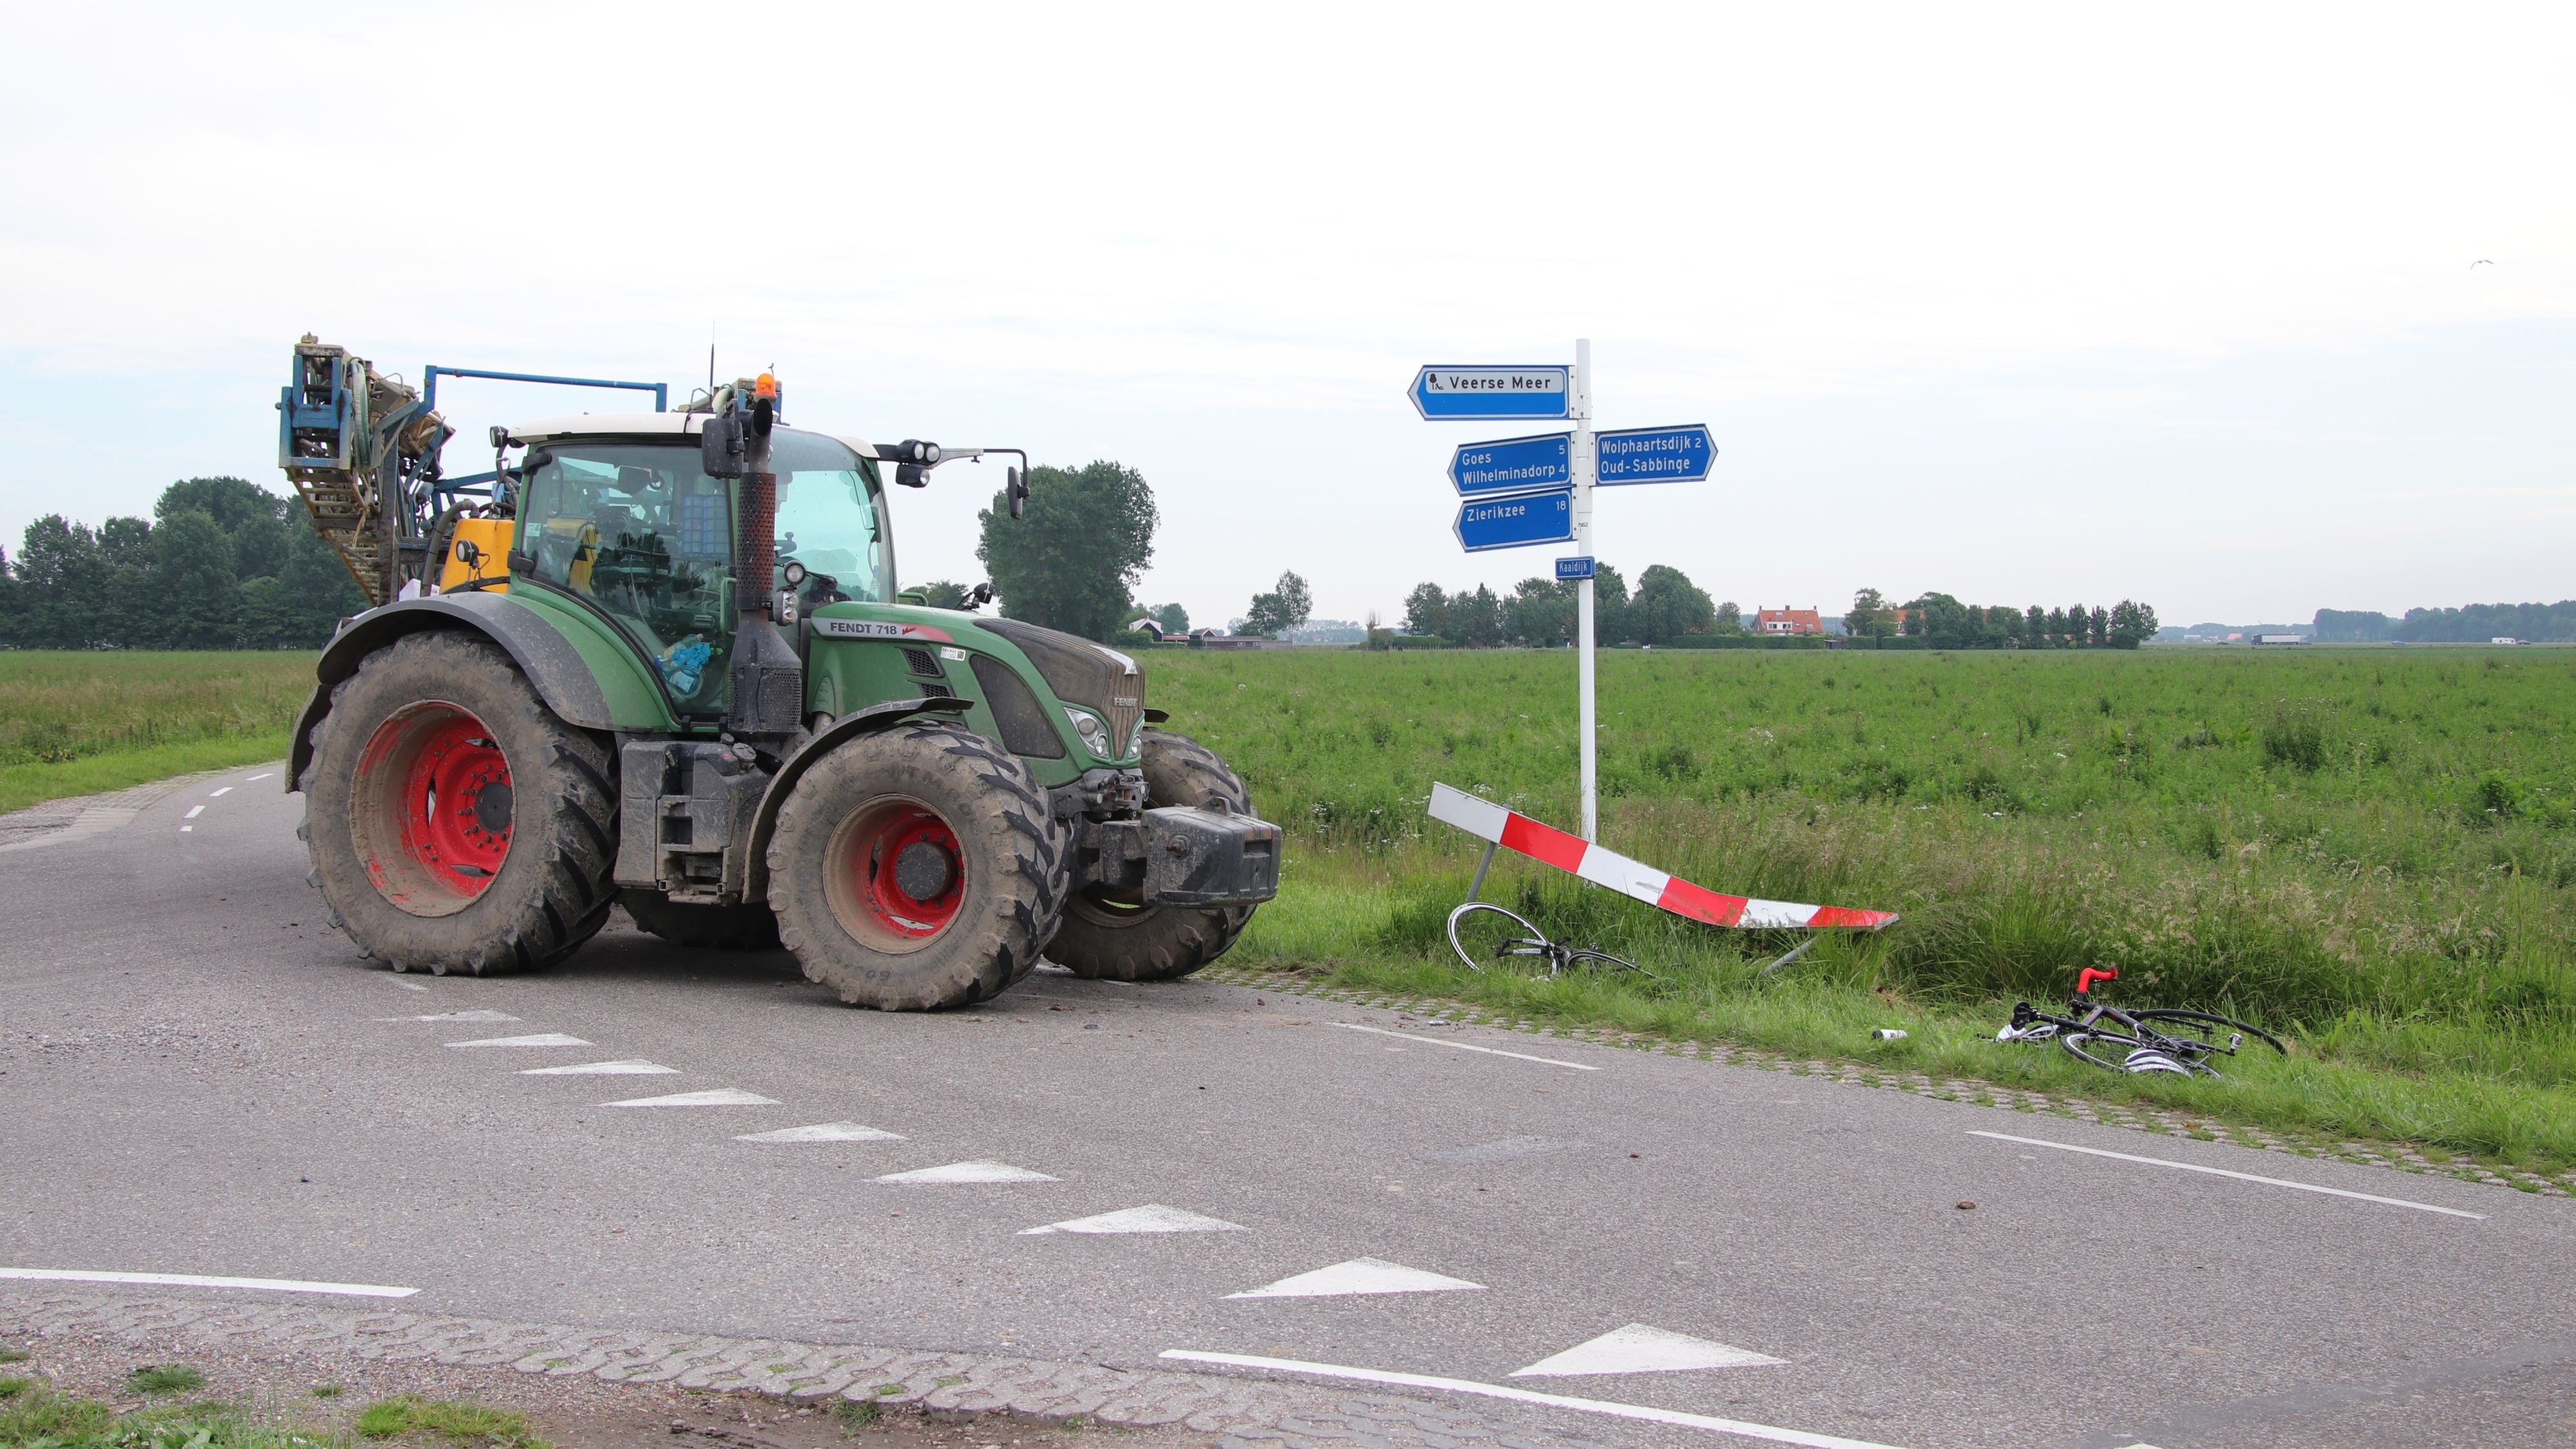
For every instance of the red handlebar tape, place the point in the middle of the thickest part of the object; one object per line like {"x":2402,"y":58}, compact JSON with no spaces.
{"x":2085,"y":978}
{"x":1514,"y":831}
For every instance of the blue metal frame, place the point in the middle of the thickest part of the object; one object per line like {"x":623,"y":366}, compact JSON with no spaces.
{"x":661,"y":391}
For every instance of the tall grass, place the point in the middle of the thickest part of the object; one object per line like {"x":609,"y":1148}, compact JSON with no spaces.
{"x":2374,"y":850}
{"x":77,"y":723}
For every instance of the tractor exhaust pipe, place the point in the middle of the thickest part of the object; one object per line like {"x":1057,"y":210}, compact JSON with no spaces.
{"x":768,"y":679}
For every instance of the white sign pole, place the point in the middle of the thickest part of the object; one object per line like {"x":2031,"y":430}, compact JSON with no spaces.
{"x":1579,"y":409}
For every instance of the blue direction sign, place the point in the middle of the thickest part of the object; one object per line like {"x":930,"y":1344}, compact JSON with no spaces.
{"x":1569,"y":569}
{"x":1513,"y":465}
{"x":1490,"y":392}
{"x":1489,"y":523}
{"x":1655,"y":455}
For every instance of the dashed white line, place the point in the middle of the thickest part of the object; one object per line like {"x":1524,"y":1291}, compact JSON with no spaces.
{"x":823,"y":1132}
{"x":1361,"y":1275}
{"x":2424,"y":1207}
{"x":193,"y":812}
{"x":255,"y":779}
{"x":193,"y":1280}
{"x":719,"y":1097}
{"x":1467,"y":1046}
{"x":1526,"y":1396}
{"x":630,"y":1068}
{"x":966,"y":1172}
{"x":539,"y":1039}
{"x":1153,"y":1217}
{"x":224,"y":791}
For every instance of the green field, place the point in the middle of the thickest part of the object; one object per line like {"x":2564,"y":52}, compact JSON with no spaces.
{"x":81,"y":723}
{"x":2369,"y":850}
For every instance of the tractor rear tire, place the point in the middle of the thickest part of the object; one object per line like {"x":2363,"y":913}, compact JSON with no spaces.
{"x":454,"y":823}
{"x":917,"y":868}
{"x":750,"y":926}
{"x":1109,"y":941}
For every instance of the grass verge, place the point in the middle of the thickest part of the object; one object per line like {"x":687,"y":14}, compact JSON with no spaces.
{"x":25,"y":785}
{"x":1824,"y":1007}
{"x":456,"y":1422}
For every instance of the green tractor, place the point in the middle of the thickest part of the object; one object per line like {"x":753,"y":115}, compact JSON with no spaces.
{"x":660,"y":660}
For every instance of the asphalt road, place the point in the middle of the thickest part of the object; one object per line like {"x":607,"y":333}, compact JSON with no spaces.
{"x":197,"y":1076}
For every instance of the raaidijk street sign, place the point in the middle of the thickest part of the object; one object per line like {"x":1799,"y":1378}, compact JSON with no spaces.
{"x":1491,"y":392}
{"x":1513,"y":465}
{"x":1654,"y":455}
{"x":1491,"y":523}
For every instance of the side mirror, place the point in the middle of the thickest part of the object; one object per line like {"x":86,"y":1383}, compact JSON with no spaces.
{"x":1019,"y":491}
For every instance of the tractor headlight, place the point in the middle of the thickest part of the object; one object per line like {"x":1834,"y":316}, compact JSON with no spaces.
{"x":1095,"y":735}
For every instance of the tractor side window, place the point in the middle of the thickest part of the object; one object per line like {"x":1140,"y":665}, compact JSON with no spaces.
{"x":831,"y":518}
{"x":638,"y":530}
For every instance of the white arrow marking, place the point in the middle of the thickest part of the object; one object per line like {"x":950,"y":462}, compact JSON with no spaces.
{"x":541,"y":1039}
{"x":604,"y":1069}
{"x":720,"y":1097}
{"x":957,"y":1172}
{"x":1153,"y":1217}
{"x":822,"y":1132}
{"x":1638,"y":1349}
{"x":1360,"y":1275}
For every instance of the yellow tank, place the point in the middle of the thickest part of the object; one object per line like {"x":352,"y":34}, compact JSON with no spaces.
{"x":487,"y":542}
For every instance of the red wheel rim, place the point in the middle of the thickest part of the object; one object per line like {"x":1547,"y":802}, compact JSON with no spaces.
{"x":904,"y":871}
{"x":435,"y":808}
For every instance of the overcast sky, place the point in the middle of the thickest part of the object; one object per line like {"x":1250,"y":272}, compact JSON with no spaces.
{"x":2050,"y":303}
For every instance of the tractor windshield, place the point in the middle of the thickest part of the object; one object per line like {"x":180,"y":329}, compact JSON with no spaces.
{"x":831,"y":519}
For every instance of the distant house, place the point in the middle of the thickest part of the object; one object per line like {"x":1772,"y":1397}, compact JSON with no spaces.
{"x":1789,"y":621}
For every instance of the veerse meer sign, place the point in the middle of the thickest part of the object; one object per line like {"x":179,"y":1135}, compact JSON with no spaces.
{"x":1513,"y":465}
{"x":1491,"y":392}
{"x":1490,"y":523}
{"x":1655,"y":455}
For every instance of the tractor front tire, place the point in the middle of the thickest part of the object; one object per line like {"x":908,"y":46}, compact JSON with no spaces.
{"x":453,"y":822}
{"x":1108,"y":940}
{"x":750,"y":926}
{"x":917,"y":868}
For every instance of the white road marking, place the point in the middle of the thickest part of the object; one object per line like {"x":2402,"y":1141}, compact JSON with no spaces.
{"x":822,"y":1132}
{"x":411,"y":986}
{"x":541,"y":1039}
{"x":452,"y":1015}
{"x":1466,"y":1046}
{"x":719,"y":1097}
{"x":185,"y":829}
{"x":604,"y":1069}
{"x":1360,"y":1275}
{"x":1639,"y":1349}
{"x":1153,"y":1217}
{"x":193,"y":812}
{"x":1525,"y":1396}
{"x":255,"y":779}
{"x":2239,"y":1176}
{"x":192,"y":1280}
{"x":958,"y":1172}
{"x":224,"y":791}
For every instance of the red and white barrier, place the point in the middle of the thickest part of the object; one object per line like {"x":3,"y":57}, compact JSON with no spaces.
{"x":1514,"y":831}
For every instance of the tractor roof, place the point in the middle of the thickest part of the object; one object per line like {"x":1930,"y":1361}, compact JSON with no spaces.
{"x":630,"y":425}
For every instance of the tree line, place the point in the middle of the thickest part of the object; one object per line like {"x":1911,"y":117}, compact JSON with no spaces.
{"x":221,"y":564}
{"x":2471,"y":624}
{"x":1942,"y":622}
{"x":1539,"y":611}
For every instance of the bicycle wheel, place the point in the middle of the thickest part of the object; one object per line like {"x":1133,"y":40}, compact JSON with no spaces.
{"x":2206,"y":1027}
{"x":1489,"y":938}
{"x":2106,"y":1049}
